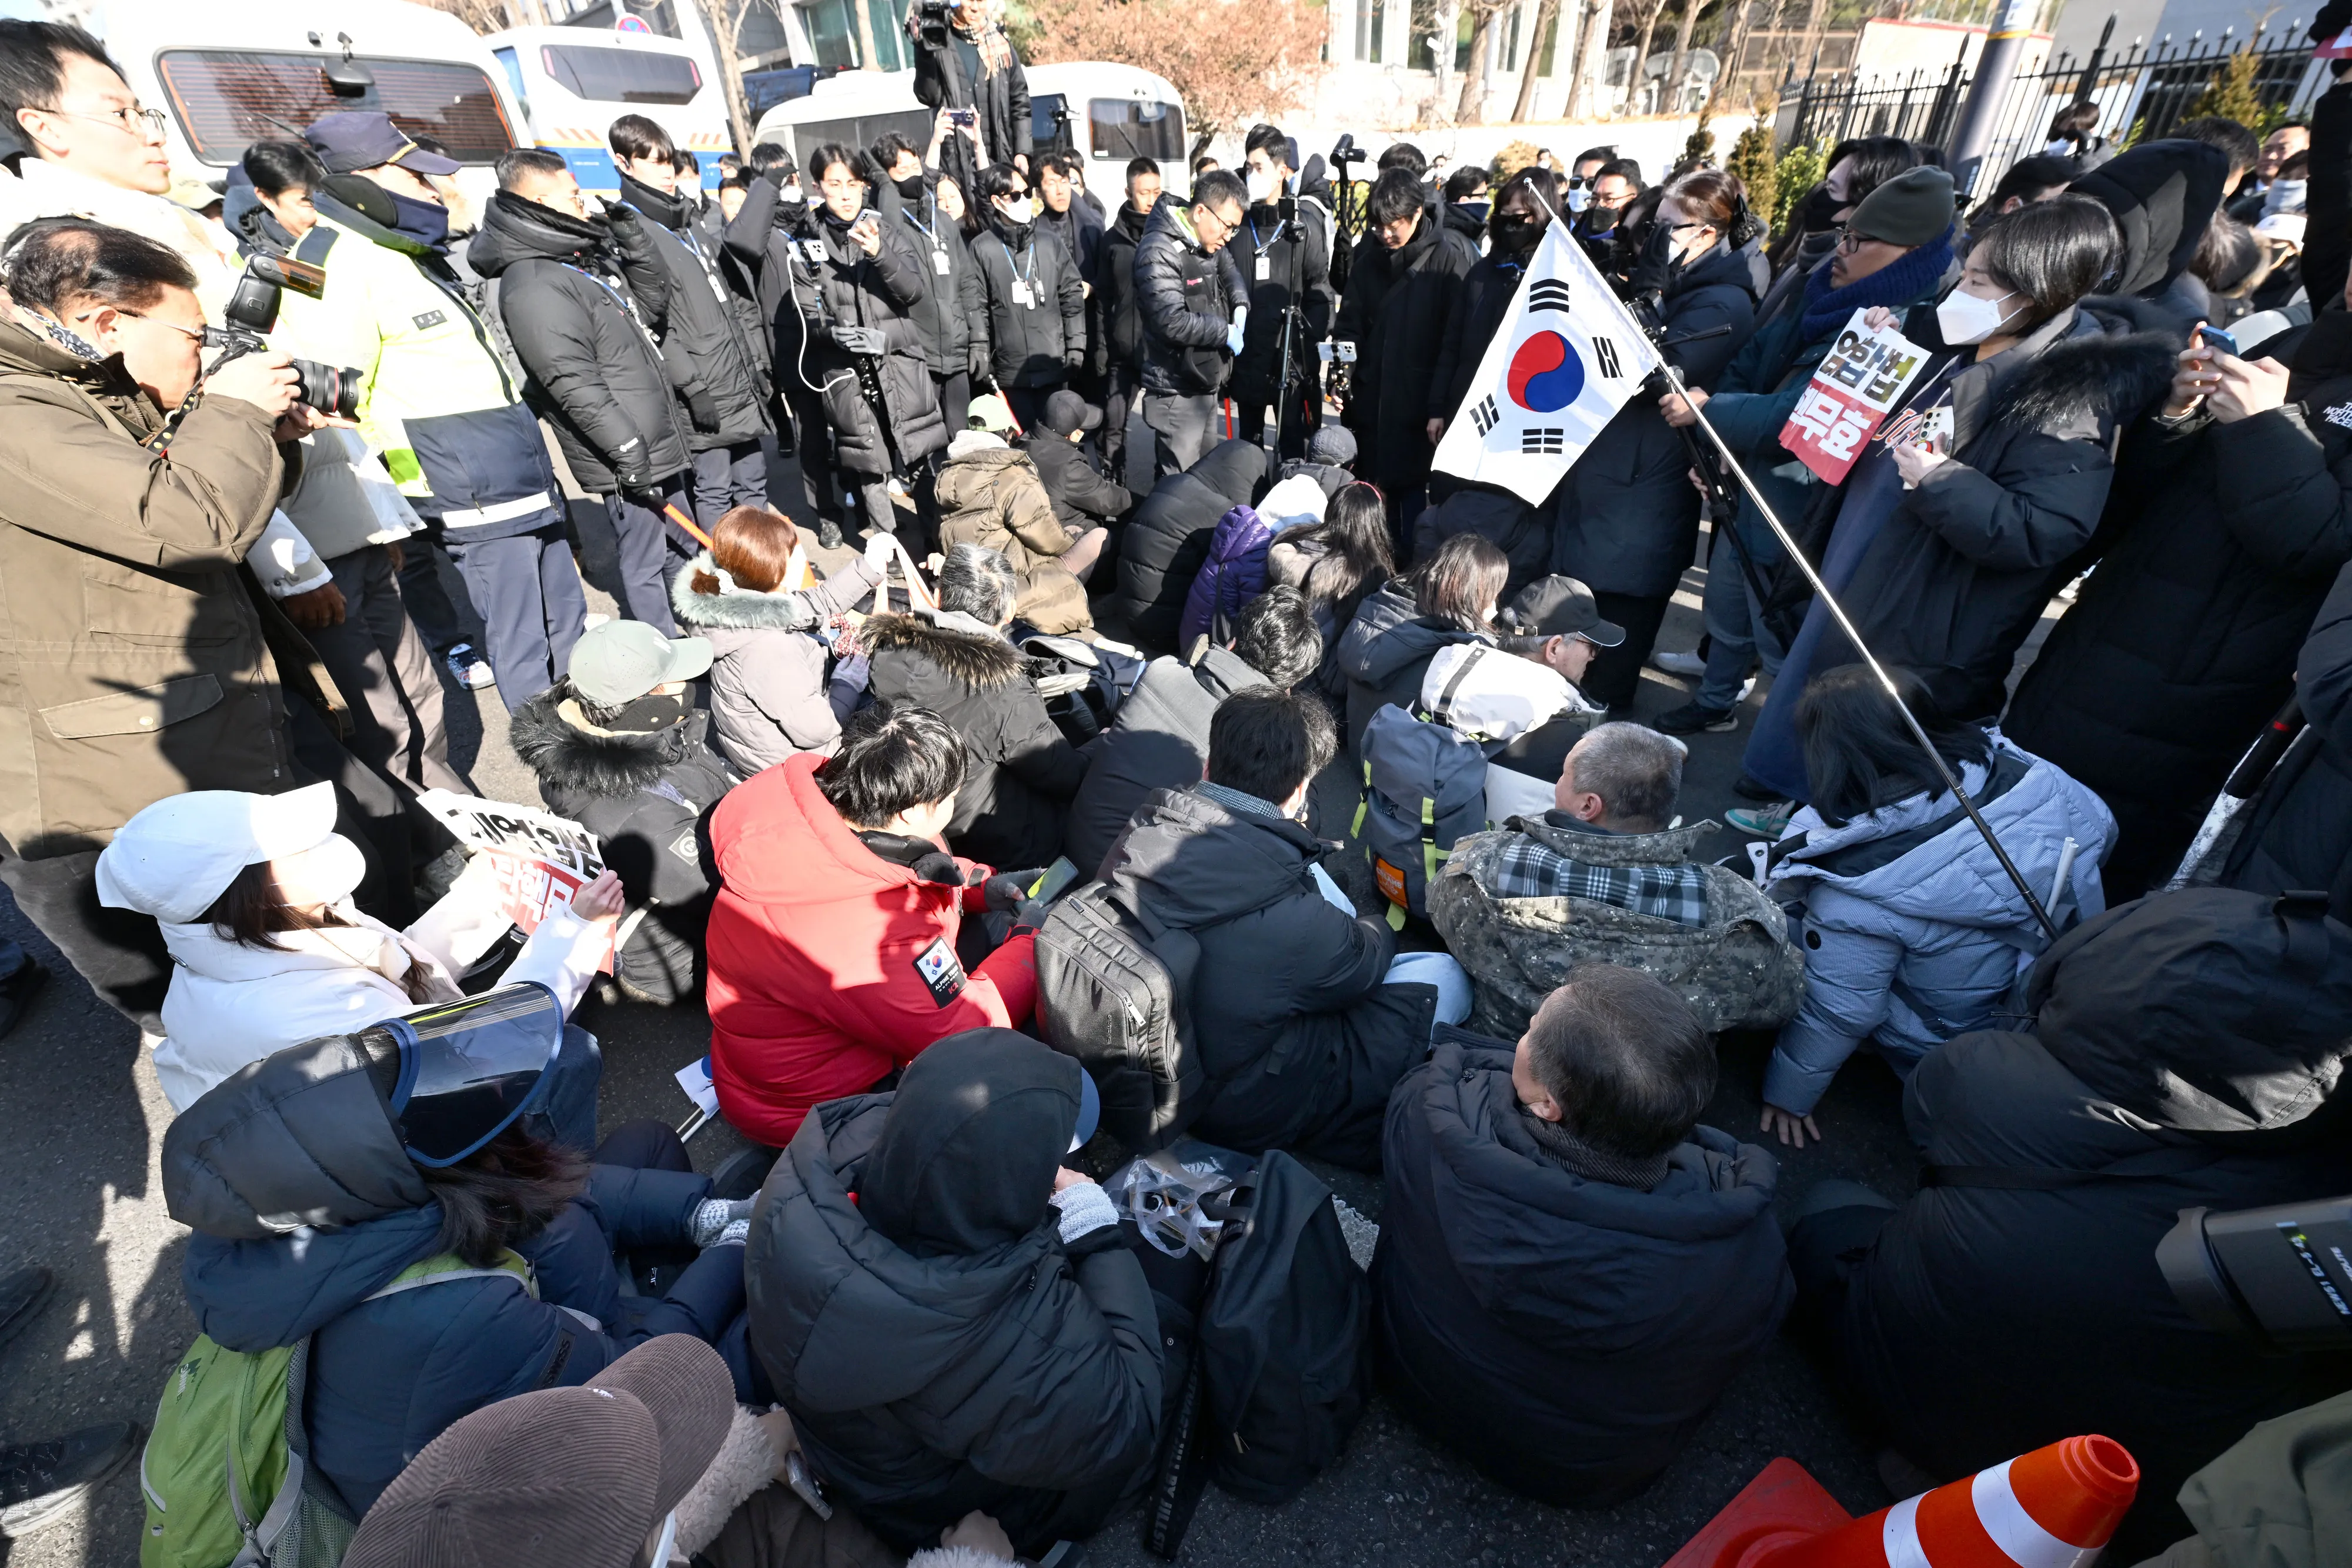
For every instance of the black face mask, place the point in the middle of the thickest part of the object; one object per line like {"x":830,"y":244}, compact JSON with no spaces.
{"x":1515,"y":234}
{"x":1600,"y":220}
{"x":1820,"y":212}
{"x":911,"y":187}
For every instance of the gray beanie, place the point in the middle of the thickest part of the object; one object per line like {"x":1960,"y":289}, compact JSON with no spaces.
{"x":1334,"y":444}
{"x":1913,"y":208}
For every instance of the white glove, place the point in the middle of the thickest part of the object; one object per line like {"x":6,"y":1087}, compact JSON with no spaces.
{"x":880,"y":552}
{"x":1234,"y":334}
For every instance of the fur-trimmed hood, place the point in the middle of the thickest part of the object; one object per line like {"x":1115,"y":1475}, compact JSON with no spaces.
{"x":968,"y":658}
{"x":740,"y":608}
{"x":2087,"y":381}
{"x":577,"y":762}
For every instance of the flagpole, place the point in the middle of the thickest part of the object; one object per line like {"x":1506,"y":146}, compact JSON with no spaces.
{"x":1844,"y":622}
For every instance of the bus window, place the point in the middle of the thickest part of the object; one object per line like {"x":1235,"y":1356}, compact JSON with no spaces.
{"x":227,"y":100}
{"x":606,"y":75}
{"x":1124,"y":128}
{"x":511,"y":63}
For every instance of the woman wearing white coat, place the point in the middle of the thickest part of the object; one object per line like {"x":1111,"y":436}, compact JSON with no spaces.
{"x":252,"y":892}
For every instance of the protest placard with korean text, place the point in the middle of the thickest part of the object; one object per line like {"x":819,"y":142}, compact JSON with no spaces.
{"x":540,"y":859}
{"x":1860,"y":379}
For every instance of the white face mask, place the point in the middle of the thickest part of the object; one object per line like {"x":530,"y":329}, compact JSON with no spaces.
{"x":1579,"y":198}
{"x":792,"y":194}
{"x":1964,"y":318}
{"x":327,"y":872}
{"x":1262,"y":186}
{"x":1019,"y":211}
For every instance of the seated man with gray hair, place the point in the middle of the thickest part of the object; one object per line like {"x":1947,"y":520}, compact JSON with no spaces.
{"x":958,"y":663}
{"x":1607,"y":876}
{"x":1570,"y":1268}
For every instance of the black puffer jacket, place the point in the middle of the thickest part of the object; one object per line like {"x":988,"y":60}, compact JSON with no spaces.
{"x":1477,"y":313}
{"x":2219,"y":545}
{"x":1302,"y":247}
{"x":1384,"y":653}
{"x":850,"y":288}
{"x":1628,"y":518}
{"x":952,"y":318}
{"x":1021,"y":772}
{"x":592,"y":370}
{"x":1116,"y":333}
{"x":1988,"y":1321}
{"x":1521,"y":531}
{"x":736,"y":255}
{"x":2163,"y":195}
{"x":954,"y":76}
{"x":1566,"y":1335}
{"x":1186,"y":297}
{"x":2298,"y":832}
{"x":1395,"y":313}
{"x":1159,"y":739}
{"x":1165,"y":543}
{"x":1040,"y":343}
{"x":726,"y":393}
{"x":939,"y":1345}
{"x":1299,"y":1040}
{"x":1962,"y":569}
{"x":647,"y":798}
{"x":1082,"y":496}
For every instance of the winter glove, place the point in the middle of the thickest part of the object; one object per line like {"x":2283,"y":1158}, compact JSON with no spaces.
{"x":881,"y":550}
{"x":649,"y":496}
{"x":718,"y":1221}
{"x":703,"y":410}
{"x":633,"y":466}
{"x":859,"y":340}
{"x":976,"y":363}
{"x":1008,"y":890}
{"x":1074,"y":361}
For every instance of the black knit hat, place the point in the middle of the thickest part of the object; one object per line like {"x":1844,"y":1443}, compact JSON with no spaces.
{"x":1913,"y":208}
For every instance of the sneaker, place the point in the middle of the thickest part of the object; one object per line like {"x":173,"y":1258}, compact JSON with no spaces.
{"x":1688,"y":665}
{"x":472,"y":669}
{"x":40,"y":1481}
{"x":1691,"y":719}
{"x":21,"y":1295}
{"x":1763,"y":822}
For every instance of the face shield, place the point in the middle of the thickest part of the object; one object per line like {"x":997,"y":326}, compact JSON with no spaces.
{"x":469,"y":1069}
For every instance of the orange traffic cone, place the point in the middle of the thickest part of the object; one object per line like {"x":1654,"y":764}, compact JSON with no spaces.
{"x":2053,"y":1507}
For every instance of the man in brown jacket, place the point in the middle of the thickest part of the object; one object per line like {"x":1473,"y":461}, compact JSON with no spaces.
{"x":131,"y":659}
{"x":991,"y":496}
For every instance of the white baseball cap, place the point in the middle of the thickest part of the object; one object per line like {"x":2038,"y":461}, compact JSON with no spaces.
{"x":175,"y":858}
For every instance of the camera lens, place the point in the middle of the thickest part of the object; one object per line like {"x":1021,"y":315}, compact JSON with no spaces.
{"x":331,"y":389}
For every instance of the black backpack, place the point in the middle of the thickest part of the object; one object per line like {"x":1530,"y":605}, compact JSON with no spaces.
{"x":1281,"y":1362}
{"x":1113,"y":986}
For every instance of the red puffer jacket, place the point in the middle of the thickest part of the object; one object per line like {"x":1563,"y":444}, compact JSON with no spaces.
{"x":831,"y":965}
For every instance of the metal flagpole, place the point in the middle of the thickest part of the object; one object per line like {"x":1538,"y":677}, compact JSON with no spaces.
{"x":1846,"y":624}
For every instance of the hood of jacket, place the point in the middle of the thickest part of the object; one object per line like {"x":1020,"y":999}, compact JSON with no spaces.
{"x":256,"y":1295}
{"x":1921,"y":857}
{"x":1200,"y":863}
{"x":738,"y":610}
{"x":672,"y":211}
{"x":1167,"y":218}
{"x":965,"y":1163}
{"x":515,"y":230}
{"x":25,"y":351}
{"x":941,"y":659}
{"x":598,"y":765}
{"x":970,"y":475}
{"x":1128,"y":222}
{"x":856,"y":1320}
{"x":2087,"y":381}
{"x":2162,"y":194}
{"x":300,"y":1138}
{"x":1388,"y":633}
{"x":2207,"y":1010}
{"x":1232,"y":468}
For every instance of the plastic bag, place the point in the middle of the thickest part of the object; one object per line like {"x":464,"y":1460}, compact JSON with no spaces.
{"x":1164,"y":1194}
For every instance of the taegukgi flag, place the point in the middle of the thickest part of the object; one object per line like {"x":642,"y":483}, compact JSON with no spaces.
{"x":1564,"y":362}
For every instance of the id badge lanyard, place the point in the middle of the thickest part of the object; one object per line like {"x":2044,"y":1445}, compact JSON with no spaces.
{"x":1024,"y":285}
{"x":939,"y":245}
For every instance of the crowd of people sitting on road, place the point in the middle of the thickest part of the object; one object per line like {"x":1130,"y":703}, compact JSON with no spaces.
{"x":1128,"y":766}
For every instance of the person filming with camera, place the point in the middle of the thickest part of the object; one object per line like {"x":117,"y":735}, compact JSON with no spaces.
{"x":131,"y":654}
{"x":964,"y":62}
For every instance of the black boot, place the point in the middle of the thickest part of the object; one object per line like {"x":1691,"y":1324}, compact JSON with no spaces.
{"x":40,"y":1481}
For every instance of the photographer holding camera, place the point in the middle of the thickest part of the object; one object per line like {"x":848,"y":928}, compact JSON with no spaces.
{"x":435,"y":397}
{"x":963,"y":62}
{"x":131,"y":653}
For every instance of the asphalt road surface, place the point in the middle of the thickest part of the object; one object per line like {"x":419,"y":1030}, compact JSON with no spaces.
{"x":79,"y":1192}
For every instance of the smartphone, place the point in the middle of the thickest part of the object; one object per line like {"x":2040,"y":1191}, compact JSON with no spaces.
{"x":868,"y":224}
{"x":1055,"y":882}
{"x":2214,"y":338}
{"x":1346,"y":351}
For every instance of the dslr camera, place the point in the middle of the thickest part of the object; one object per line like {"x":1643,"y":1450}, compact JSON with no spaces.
{"x":928,"y":20}
{"x":2280,"y":1275}
{"x":252,"y":314}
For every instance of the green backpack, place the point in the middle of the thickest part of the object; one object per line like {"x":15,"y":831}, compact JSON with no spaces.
{"x":227,"y":1472}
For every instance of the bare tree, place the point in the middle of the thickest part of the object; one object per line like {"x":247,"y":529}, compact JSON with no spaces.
{"x":1592,"y":59}
{"x":866,"y":59}
{"x":1681,"y":62}
{"x":1471,"y":109}
{"x":1233,"y":63}
{"x":725,"y":20}
{"x":1649,"y":14}
{"x":1546,"y":13}
{"x":482,"y":16}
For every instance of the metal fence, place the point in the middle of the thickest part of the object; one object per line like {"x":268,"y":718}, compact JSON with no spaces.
{"x":2142,"y":91}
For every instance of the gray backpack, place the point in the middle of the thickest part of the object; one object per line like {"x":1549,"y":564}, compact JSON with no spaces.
{"x":1114,"y":987}
{"x":1424,"y":786}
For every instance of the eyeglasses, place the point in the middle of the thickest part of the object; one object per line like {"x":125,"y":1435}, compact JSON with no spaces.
{"x":141,"y":316}
{"x":128,"y":119}
{"x":1851,"y":241}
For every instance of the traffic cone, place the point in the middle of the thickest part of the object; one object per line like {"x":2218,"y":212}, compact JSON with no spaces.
{"x":2053,"y":1507}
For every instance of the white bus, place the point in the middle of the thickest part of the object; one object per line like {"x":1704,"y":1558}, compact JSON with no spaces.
{"x":1113,"y":113}
{"x":228,"y":73}
{"x":575,"y":81}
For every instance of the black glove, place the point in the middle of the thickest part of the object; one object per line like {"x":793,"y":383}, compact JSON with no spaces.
{"x":976,"y":362}
{"x":1009,"y":890}
{"x":703,"y":409}
{"x":621,"y":217}
{"x":859,"y":340}
{"x":633,"y":466}
{"x":649,"y":496}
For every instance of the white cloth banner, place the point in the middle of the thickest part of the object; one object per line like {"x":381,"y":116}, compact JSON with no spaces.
{"x":1563,"y":362}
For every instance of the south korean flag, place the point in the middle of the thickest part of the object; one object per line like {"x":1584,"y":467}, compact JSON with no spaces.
{"x":1564,"y":362}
